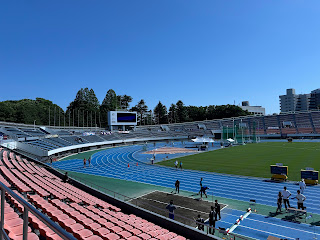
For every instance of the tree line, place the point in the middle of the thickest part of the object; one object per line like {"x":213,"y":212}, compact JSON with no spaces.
{"x":86,"y":111}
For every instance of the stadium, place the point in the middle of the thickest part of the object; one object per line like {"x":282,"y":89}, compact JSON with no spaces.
{"x":159,"y":120}
{"x":122,"y":193}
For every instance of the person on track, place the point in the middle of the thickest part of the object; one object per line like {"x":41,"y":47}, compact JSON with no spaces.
{"x":176,"y":164}
{"x":203,"y":191}
{"x":217,"y":209}
{"x":300,"y":199}
{"x":89,"y":161}
{"x":200,"y":223}
{"x":177,"y":185}
{"x":200,"y":185}
{"x":171,"y":209}
{"x":286,"y":194}
{"x":84,"y":162}
{"x":302,"y":185}
{"x":180,"y":165}
{"x":212,"y":220}
{"x":279,"y":202}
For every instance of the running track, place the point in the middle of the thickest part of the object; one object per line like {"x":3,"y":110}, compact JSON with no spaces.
{"x":114,"y":163}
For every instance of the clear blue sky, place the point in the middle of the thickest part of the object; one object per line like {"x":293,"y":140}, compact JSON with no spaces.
{"x":200,"y":52}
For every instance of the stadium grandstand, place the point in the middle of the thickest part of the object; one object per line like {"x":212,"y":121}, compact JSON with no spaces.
{"x":37,"y":202}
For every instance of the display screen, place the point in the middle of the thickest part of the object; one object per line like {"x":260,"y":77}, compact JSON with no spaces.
{"x":126,"y":117}
{"x":309,"y":174}
{"x":279,"y":169}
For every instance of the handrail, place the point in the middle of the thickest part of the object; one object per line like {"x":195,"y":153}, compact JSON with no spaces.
{"x":28,"y":207}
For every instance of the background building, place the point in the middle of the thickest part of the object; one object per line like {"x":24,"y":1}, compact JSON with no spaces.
{"x":292,"y":102}
{"x":315,"y":99}
{"x":255,"y":110}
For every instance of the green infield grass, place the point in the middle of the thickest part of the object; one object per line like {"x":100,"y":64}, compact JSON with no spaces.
{"x":255,"y":159}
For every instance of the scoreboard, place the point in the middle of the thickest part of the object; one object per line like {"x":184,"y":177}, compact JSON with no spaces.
{"x":309,"y":174}
{"x":281,"y":170}
{"x":120,"y":118}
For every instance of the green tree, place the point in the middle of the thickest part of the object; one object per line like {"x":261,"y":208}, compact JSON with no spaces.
{"x":141,"y":108}
{"x":124,"y":101}
{"x":172,"y":115}
{"x":109,"y":103}
{"x":82,"y":111}
{"x":160,"y":113}
{"x":181,"y":112}
{"x":196,"y":113}
{"x":30,"y":111}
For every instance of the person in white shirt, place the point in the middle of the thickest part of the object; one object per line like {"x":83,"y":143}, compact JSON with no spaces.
{"x":286,"y":194}
{"x":300,"y":199}
{"x":302,"y":185}
{"x":176,"y":164}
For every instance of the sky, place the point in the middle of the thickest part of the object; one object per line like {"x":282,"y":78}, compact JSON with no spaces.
{"x":208,"y":52}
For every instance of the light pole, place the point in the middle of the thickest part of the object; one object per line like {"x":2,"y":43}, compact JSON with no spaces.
{"x":233,"y":128}
{"x":242,"y":132}
{"x":227,"y":132}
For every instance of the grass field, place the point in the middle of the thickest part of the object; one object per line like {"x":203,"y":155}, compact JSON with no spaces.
{"x":255,"y":159}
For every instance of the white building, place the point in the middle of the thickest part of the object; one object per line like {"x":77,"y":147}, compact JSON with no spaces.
{"x":294,"y":102}
{"x":255,"y":110}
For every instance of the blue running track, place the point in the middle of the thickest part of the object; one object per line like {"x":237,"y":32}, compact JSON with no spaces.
{"x":114,"y":163}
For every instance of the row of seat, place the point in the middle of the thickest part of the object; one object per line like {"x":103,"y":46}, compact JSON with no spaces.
{"x":81,"y":214}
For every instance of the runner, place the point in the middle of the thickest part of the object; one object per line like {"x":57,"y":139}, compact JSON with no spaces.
{"x":212,"y":222}
{"x":300,"y":199}
{"x":302,"y":185}
{"x":180,"y":165}
{"x":200,"y":186}
{"x":200,"y":223}
{"x":177,"y":185}
{"x":171,"y":209}
{"x":286,"y":194}
{"x":176,"y":164}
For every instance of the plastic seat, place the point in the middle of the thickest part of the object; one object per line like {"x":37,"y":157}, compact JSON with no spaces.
{"x":179,"y":238}
{"x":144,"y":236}
{"x":112,"y":236}
{"x":12,"y":223}
{"x":94,"y":238}
{"x":31,"y":236}
{"x":93,"y":226}
{"x":83,"y":234}
{"x":134,"y":238}
{"x":116,"y":229}
{"x":135,"y":231}
{"x":74,"y":228}
{"x":67,"y":222}
{"x":124,"y":234}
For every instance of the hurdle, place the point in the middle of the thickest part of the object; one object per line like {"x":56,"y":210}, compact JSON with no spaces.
{"x":238,"y":221}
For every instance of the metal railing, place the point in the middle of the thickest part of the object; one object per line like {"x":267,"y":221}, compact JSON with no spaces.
{"x":28,"y":207}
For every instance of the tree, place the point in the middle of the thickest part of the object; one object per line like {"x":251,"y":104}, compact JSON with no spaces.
{"x":30,"y":111}
{"x":196,"y":113}
{"x":172,"y":115}
{"x":109,"y":103}
{"x":141,"y":109}
{"x":124,"y":101}
{"x":181,"y":112}
{"x":84,"y":108}
{"x":160,"y":113}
